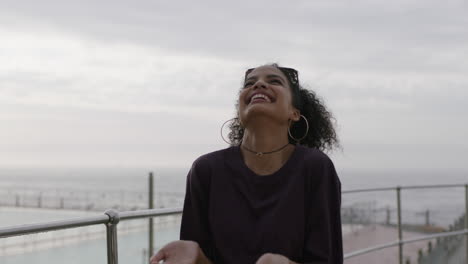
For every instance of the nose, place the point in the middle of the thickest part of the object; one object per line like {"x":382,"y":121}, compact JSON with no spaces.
{"x":259,"y":84}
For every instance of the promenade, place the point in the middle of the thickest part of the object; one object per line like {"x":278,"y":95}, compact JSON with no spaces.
{"x":368,"y":236}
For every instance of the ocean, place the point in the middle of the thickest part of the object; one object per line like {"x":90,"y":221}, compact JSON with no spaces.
{"x":99,"y":189}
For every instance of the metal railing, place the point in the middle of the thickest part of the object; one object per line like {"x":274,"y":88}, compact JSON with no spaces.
{"x":111,"y":218}
{"x":400,"y":241}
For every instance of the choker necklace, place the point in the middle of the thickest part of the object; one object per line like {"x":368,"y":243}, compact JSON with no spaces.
{"x":259,"y":154}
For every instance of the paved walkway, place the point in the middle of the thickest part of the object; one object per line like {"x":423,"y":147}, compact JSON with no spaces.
{"x":369,"y":236}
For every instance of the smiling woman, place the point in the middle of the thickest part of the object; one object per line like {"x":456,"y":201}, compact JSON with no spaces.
{"x":273,"y":196}
{"x":320,"y":135}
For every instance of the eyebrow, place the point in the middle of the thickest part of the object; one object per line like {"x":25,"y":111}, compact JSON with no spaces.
{"x":269,"y":76}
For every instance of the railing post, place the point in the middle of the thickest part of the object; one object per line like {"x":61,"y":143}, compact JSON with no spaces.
{"x":466,"y":223}
{"x":388,"y":215}
{"x":39,"y":200}
{"x":111,"y":234}
{"x":426,"y":214}
{"x":150,"y":206}
{"x":400,"y":236}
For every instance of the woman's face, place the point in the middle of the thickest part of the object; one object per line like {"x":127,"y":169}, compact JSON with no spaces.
{"x":266,"y":92}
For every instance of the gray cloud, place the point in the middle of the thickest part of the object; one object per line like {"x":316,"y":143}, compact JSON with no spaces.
{"x":393,"y":73}
{"x":363,"y":35}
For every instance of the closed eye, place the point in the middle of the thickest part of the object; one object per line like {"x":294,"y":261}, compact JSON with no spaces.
{"x":273,"y":81}
{"x":247,"y":84}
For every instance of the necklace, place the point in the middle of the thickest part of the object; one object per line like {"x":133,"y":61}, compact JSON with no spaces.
{"x":259,"y":154}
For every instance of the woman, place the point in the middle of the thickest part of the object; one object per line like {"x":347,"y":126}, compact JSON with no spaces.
{"x":273,"y":196}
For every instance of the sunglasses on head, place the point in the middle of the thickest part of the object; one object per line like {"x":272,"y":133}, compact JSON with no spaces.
{"x":290,"y":73}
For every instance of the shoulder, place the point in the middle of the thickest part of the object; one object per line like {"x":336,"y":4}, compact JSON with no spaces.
{"x":212,"y":158}
{"x":319,"y":167}
{"x":315,"y":158}
{"x":204,"y":165}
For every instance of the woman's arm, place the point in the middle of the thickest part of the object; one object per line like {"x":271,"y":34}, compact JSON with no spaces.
{"x":195,"y":224}
{"x":324,"y":242}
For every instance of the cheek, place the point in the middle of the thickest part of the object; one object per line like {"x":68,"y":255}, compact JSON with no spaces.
{"x":288,"y":99}
{"x":285,"y":98}
{"x":241,"y":99}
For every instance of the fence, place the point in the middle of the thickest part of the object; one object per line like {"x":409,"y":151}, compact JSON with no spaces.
{"x":400,"y":241}
{"x":111,"y":218}
{"x":85,"y":200}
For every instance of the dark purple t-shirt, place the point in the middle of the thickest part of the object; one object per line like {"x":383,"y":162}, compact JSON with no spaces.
{"x":236,"y":215}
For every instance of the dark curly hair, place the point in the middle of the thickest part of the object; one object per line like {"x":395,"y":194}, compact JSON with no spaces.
{"x":321,"y":134}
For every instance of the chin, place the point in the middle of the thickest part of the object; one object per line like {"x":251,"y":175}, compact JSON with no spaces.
{"x":258,"y":111}
{"x":259,"y":108}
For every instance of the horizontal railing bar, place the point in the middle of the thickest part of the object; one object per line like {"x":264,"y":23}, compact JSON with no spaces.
{"x":404,"y":187}
{"x":432,"y":186}
{"x":404,"y":241}
{"x":53,"y":225}
{"x":148,"y":213}
{"x":81,"y":222}
{"x":438,"y":235}
{"x":369,"y":190}
{"x":370,"y":249}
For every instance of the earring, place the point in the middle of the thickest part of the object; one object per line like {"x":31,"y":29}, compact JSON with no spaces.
{"x":232,"y":119}
{"x":305,"y":135}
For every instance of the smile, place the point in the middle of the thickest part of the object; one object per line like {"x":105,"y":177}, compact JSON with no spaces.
{"x":259,"y":98}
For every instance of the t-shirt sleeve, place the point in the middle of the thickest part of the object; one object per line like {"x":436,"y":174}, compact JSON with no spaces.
{"x":194,"y":225}
{"x":323,"y":238}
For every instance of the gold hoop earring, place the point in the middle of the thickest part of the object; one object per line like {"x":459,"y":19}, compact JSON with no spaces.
{"x":222,"y":130}
{"x":305,"y":135}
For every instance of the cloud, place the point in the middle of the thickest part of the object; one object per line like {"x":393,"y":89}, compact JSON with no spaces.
{"x":357,"y":34}
{"x":392,"y":72}
{"x":56,"y":69}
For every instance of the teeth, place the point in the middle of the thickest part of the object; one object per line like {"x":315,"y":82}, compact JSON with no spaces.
{"x":260,"y":96}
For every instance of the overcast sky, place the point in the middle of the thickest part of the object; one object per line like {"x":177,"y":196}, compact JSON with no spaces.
{"x":149,"y":83}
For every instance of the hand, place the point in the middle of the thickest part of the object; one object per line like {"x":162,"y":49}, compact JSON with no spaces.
{"x":270,"y":258}
{"x":179,"y":252}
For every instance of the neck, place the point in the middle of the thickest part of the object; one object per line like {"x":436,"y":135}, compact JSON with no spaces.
{"x":265,"y":137}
